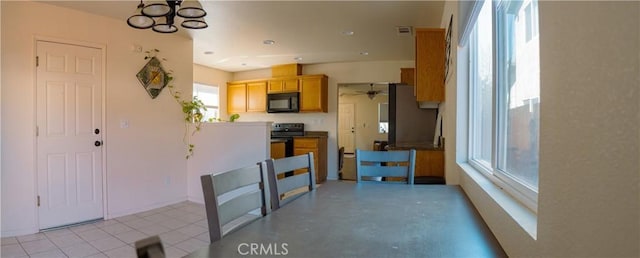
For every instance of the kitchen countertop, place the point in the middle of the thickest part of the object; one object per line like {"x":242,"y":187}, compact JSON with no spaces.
{"x":276,"y":140}
{"x":314,"y":134}
{"x":414,"y":145}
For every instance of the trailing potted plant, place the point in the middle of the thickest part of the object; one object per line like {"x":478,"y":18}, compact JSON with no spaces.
{"x":191,"y":109}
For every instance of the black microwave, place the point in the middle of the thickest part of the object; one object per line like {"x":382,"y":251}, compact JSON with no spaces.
{"x":283,"y":102}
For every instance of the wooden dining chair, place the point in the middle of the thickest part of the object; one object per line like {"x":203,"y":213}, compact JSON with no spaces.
{"x":285,"y":189}
{"x":234,"y":198}
{"x":387,"y":165}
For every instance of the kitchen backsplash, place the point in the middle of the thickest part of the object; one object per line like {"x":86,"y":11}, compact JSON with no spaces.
{"x":312,"y":121}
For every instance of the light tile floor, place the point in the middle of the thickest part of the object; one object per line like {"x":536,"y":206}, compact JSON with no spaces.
{"x":182,"y":228}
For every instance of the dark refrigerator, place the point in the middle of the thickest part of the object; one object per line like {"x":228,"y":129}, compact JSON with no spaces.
{"x":409,"y":124}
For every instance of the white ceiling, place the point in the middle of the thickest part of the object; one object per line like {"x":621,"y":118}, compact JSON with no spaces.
{"x":312,"y":30}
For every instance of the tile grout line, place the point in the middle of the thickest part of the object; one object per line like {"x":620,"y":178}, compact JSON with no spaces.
{"x":192,"y":210}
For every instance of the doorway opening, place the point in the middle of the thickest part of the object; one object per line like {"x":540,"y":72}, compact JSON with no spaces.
{"x":362,"y":121}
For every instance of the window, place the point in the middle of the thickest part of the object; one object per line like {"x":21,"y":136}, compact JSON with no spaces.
{"x":481,"y":77}
{"x":504,"y":95}
{"x":209,"y":95}
{"x":383,"y":117}
{"x":518,"y":84}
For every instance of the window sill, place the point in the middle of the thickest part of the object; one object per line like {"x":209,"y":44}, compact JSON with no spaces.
{"x":522,"y":215}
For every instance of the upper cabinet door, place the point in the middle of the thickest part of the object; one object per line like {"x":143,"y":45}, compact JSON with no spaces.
{"x":290,"y":85}
{"x":257,"y":96}
{"x":275,"y":86}
{"x":281,"y":85}
{"x":313,"y":93}
{"x":236,"y":98}
{"x":430,"y":62}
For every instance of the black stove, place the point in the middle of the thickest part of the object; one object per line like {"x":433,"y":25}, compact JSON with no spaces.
{"x":286,"y":130}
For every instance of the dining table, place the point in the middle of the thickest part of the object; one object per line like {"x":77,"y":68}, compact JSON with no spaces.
{"x":348,"y":219}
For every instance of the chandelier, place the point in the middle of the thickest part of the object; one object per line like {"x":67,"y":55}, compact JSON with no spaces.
{"x":160,"y":15}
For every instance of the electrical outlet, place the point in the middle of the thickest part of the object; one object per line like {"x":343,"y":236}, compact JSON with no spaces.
{"x":137,"y":48}
{"x":167,"y":180}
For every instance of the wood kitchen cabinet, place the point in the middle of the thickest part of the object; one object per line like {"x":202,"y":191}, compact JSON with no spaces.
{"x":430,"y":63}
{"x":277,"y":150}
{"x":251,"y":96}
{"x":247,"y":96}
{"x":282,"y":85}
{"x":236,"y":98}
{"x":257,"y":96}
{"x":286,"y":70}
{"x":407,"y":76}
{"x":429,"y":163}
{"x":317,"y":145}
{"x":313,"y":93}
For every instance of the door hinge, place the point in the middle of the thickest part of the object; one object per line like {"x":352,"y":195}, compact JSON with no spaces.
{"x":38,"y":200}
{"x":37,"y":131}
{"x":37,"y":61}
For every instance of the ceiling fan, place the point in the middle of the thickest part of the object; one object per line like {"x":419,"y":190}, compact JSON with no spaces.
{"x":371,"y":93}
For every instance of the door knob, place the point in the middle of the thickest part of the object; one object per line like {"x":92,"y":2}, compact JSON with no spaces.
{"x":97,"y":143}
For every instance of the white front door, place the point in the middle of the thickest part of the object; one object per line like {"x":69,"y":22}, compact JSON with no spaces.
{"x":346,"y":127}
{"x":69,"y":135}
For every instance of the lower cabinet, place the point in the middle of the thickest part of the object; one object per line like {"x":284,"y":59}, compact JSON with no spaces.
{"x":317,"y":145}
{"x":277,"y":150}
{"x":429,"y":163}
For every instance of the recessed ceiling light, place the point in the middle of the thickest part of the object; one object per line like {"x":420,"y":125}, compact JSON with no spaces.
{"x":268,"y":42}
{"x":208,"y":52}
{"x":298,"y":58}
{"x":244,"y":64}
{"x":364,"y":53}
{"x":347,"y":33}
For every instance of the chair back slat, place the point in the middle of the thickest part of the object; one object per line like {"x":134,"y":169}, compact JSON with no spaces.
{"x":293,"y":182}
{"x":290,"y":163}
{"x":384,"y":156}
{"x":287,"y":188}
{"x":384,"y":171}
{"x":239,"y":206}
{"x":385,"y":164}
{"x":231,"y":196}
{"x":226,"y":182}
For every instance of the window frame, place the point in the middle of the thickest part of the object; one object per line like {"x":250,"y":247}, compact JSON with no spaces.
{"x":208,"y":107}
{"x":519,"y":190}
{"x":380,"y":117}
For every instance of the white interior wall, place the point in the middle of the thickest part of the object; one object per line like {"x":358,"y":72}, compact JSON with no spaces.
{"x":589,"y":199}
{"x":145,"y":165}
{"x":366,"y":119}
{"x":1,"y":188}
{"x":224,"y":146}
{"x":354,"y":72}
{"x":448,"y":109}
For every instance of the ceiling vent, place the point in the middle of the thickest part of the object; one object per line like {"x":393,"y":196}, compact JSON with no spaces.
{"x":404,"y":30}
